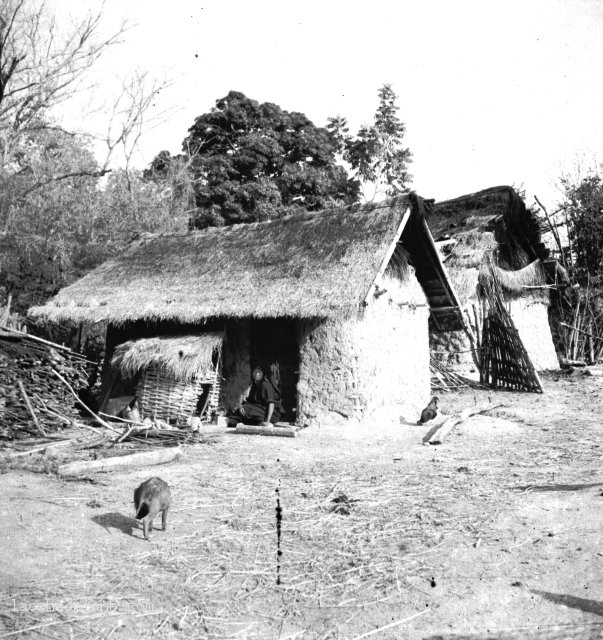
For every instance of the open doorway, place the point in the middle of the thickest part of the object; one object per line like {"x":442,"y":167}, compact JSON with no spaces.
{"x":275,"y":341}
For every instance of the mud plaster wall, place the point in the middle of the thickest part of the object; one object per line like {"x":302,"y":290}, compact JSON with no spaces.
{"x":355,"y":367}
{"x":532,"y":322}
{"x":452,"y":348}
{"x":236,"y":367}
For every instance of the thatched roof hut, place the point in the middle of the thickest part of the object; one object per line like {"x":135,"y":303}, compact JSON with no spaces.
{"x":318,"y":292}
{"x":492,"y":232}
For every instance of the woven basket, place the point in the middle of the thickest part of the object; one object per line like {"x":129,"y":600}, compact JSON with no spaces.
{"x":164,"y":397}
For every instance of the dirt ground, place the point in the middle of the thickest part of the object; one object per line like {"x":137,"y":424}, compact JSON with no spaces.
{"x":496,"y":533}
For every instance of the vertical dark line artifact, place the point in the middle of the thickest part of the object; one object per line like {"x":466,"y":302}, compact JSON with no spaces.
{"x":279,"y":553}
{"x":279,"y":518}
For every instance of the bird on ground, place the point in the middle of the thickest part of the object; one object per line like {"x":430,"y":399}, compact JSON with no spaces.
{"x":430,"y":411}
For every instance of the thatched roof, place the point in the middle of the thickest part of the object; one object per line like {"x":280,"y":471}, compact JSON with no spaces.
{"x":313,"y":265}
{"x":494,"y":218}
{"x":181,"y":357}
{"x":491,"y":226}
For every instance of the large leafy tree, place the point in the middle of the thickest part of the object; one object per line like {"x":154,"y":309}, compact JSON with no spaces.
{"x":253,"y":161}
{"x":377,"y":153}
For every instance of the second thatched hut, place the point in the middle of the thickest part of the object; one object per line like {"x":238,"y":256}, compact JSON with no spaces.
{"x":491,"y":234}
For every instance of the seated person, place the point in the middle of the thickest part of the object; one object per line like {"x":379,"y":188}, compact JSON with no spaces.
{"x":262,"y":404}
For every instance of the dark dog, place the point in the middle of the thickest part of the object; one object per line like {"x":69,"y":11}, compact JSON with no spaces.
{"x":150,"y":498}
{"x":430,"y":411}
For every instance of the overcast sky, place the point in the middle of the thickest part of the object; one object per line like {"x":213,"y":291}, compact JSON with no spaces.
{"x":490,"y":92}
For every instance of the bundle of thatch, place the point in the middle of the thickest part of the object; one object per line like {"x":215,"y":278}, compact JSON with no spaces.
{"x":528,"y":283}
{"x":179,"y":357}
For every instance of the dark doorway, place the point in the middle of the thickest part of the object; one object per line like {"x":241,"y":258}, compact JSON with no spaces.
{"x":276,"y":341}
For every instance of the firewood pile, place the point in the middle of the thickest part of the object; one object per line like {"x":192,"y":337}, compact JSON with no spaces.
{"x":33,"y":398}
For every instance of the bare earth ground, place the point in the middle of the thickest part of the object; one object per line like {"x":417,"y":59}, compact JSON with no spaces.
{"x":494,"y":534}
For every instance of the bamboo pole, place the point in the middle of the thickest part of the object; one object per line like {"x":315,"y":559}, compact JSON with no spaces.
{"x":30,"y":408}
{"x":592,"y":335}
{"x":98,"y":418}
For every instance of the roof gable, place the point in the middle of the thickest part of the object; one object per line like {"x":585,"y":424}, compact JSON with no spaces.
{"x":499,"y":211}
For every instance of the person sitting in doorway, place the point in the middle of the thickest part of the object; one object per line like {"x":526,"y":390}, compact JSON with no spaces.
{"x":262,"y":404}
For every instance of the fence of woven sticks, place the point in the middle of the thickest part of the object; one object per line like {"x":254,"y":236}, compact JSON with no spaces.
{"x":505,"y":362}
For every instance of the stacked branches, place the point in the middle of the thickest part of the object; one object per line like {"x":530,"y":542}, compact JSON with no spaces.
{"x":32,"y":398}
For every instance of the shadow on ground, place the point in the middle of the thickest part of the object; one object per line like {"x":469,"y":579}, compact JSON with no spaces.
{"x":557,"y":632}
{"x":589,"y":606}
{"x":558,"y":487}
{"x":118,"y":521}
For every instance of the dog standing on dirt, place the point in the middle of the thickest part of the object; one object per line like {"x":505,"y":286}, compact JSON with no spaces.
{"x":430,"y":411}
{"x":151,"y":497}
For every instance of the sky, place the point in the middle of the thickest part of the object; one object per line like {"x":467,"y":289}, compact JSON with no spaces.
{"x":490,"y":92}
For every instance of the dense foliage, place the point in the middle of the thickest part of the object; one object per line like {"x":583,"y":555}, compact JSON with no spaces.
{"x":253,"y":161}
{"x":56,"y":230}
{"x":583,"y":208}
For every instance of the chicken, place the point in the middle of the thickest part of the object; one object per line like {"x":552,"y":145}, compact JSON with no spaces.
{"x":430,"y":411}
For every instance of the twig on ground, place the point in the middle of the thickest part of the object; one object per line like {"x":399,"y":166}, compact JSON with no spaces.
{"x":390,"y":625}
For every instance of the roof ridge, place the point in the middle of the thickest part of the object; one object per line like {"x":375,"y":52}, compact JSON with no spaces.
{"x":300,"y":216}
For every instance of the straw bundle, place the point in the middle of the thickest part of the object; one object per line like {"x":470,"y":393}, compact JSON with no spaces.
{"x":529,"y":282}
{"x":180,"y":357}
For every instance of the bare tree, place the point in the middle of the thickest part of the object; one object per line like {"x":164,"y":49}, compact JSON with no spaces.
{"x":42,"y":65}
{"x":130,"y":116}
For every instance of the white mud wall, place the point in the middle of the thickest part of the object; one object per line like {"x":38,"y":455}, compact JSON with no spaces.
{"x":375,"y":367}
{"x":532,"y":322}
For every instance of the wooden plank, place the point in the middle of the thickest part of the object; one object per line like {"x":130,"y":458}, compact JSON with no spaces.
{"x":445,"y":310}
{"x":438,"y":436}
{"x":259,"y":430}
{"x":145,"y":458}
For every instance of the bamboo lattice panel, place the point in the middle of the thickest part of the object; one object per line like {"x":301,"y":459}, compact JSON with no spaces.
{"x":505,"y":362}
